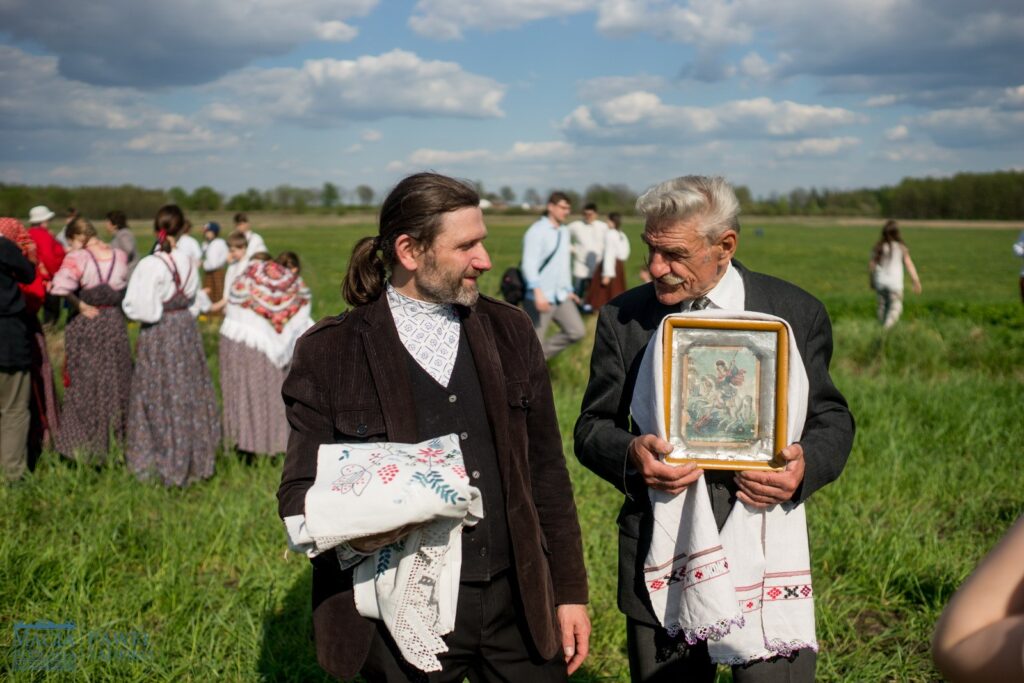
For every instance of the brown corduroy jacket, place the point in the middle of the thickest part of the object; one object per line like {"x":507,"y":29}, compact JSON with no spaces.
{"x":349,"y":381}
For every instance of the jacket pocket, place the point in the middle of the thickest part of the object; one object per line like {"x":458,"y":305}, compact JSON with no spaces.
{"x":519,"y":394}
{"x":360,"y":424}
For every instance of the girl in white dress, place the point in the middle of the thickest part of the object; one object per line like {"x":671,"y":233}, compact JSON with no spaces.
{"x":888,"y":258}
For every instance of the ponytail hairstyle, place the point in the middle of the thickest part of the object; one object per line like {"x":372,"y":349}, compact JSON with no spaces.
{"x":415,"y":207}
{"x":169,"y":222}
{"x":80,"y":226}
{"x":118,"y":219}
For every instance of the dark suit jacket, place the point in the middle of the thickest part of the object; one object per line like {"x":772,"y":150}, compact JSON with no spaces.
{"x":350,"y":382}
{"x":604,"y":430}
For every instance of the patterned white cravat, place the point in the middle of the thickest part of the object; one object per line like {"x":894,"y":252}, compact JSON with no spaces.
{"x":429,"y":331}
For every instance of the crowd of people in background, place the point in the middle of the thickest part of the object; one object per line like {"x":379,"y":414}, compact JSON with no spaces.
{"x":569,"y":270}
{"x":161,"y":406}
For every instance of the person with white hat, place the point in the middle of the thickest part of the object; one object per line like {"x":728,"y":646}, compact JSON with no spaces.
{"x":51,"y":255}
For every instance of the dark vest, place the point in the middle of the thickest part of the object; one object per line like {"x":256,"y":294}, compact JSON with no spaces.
{"x":459,"y":409}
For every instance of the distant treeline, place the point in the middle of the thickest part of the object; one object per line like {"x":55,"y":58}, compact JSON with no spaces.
{"x":965,"y":196}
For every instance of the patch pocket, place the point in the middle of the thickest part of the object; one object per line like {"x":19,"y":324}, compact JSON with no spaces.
{"x":359,"y":425}
{"x":520,"y":394}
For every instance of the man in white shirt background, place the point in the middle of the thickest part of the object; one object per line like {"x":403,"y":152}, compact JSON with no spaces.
{"x":587,"y":248}
{"x":214,"y":261}
{"x":548,"y":278}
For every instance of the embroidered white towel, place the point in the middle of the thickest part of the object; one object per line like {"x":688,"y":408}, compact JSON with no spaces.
{"x":366,"y":489}
{"x":747,"y":590}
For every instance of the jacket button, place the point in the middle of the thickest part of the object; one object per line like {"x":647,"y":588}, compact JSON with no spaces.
{"x":524,"y":402}
{"x":361,"y":430}
{"x":453,"y":398}
{"x":475,"y":474}
{"x":464,"y":435}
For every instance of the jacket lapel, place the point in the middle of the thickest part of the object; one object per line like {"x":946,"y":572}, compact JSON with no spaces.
{"x":389,"y":367}
{"x":480,"y":334}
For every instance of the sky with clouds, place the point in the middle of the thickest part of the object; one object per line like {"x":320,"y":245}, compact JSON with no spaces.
{"x":773,"y":94}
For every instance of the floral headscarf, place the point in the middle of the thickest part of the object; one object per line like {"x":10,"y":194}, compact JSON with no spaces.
{"x":270,"y":290}
{"x":12,"y":229}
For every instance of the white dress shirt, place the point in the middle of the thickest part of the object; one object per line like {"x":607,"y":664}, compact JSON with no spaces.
{"x":588,"y":244}
{"x":256,"y":244}
{"x":215,"y":254}
{"x":728,"y":294}
{"x":189,"y":246}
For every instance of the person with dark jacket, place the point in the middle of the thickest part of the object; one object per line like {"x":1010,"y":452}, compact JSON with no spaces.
{"x":423,"y":355}
{"x":15,"y":360}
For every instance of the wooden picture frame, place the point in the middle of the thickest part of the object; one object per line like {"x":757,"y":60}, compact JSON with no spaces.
{"x":725,"y":389}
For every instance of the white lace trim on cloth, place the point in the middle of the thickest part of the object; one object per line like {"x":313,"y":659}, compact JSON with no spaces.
{"x":429,"y":331}
{"x":367,"y":489}
{"x":747,"y":590}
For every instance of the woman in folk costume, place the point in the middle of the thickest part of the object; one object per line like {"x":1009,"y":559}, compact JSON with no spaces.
{"x":215,"y":262}
{"x":268,"y":310}
{"x":44,"y":395}
{"x":609,"y":279}
{"x":98,"y":357}
{"x":173,"y":425}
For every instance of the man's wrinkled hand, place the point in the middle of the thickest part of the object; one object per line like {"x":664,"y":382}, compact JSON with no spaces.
{"x":575,"y":626}
{"x":646,"y":453}
{"x":762,"y":489}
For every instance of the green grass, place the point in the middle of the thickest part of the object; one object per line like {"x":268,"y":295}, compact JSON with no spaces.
{"x":932,"y":483}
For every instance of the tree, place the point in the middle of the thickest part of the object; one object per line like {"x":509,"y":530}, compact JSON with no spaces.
{"x":365,"y":194}
{"x":205,"y":198}
{"x":531,"y":196}
{"x":329,"y":195}
{"x":508,"y":194}
{"x":178,"y":196}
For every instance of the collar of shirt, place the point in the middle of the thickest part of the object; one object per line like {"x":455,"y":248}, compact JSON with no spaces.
{"x":728,"y":294}
{"x":428,"y":331}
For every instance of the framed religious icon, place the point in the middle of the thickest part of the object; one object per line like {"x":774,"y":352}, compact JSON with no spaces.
{"x":725,"y":392}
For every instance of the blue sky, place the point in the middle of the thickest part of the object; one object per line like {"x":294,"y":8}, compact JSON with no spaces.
{"x":773,"y":94}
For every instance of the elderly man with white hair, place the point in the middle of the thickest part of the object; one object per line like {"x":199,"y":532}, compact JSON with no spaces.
{"x":692,"y":232}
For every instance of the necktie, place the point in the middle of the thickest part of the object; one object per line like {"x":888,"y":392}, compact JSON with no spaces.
{"x":700,"y":304}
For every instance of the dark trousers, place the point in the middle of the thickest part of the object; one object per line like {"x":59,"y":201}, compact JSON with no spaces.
{"x":490,"y":643}
{"x":656,"y":658}
{"x":51,"y":309}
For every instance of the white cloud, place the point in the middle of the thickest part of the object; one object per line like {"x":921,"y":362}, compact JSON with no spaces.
{"x":152,"y":45}
{"x":371,"y":135}
{"x":557,"y":149}
{"x":970,"y":126}
{"x":521,"y":152}
{"x":882,"y":101}
{"x":1012,"y":98}
{"x":447,"y":19}
{"x":919,"y":153}
{"x":110,"y":118}
{"x":816,"y":147}
{"x":613,"y":86}
{"x":638,"y":117}
{"x":327,"y":92}
{"x":899,"y":132}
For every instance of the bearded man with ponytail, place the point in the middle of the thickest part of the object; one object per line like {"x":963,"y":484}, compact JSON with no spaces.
{"x":423,"y":354}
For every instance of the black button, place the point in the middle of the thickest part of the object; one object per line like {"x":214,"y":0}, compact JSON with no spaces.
{"x":464,"y":435}
{"x":361,"y":430}
{"x":476,"y":474}
{"x":524,"y":402}
{"x":719,"y":486}
{"x":483,"y":552}
{"x":453,"y":398}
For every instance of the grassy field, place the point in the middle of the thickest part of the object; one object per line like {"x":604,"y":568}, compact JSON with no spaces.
{"x":196,"y":584}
